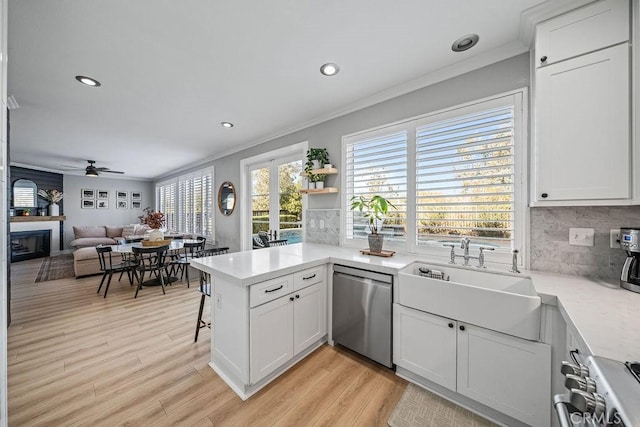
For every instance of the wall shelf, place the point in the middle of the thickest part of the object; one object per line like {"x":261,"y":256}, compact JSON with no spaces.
{"x":326,"y":190}
{"x":35,"y":218}
{"x":325,"y":171}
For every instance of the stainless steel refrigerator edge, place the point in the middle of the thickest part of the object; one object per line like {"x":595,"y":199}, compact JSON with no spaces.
{"x":362,"y":312}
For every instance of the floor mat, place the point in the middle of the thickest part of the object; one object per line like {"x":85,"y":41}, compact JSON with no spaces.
{"x":56,"y":267}
{"x":419,"y":408}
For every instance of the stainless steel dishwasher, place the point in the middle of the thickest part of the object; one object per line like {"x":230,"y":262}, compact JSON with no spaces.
{"x":362,"y":312}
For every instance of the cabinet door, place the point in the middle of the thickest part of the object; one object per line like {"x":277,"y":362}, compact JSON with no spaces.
{"x":596,"y":26}
{"x":309,"y":316}
{"x":425,"y":345}
{"x":271,"y":337}
{"x":582,"y":121}
{"x":506,"y":373}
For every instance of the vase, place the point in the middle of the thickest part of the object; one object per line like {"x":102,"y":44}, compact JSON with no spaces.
{"x":375,"y":242}
{"x":312,"y":185}
{"x":319,"y":185}
{"x":156,"y":235}
{"x":316,"y":164}
{"x":54,"y":209}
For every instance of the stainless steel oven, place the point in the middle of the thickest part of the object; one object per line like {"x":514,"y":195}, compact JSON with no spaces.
{"x":600,"y":392}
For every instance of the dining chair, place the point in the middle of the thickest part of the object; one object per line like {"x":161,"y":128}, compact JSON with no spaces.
{"x":151,"y":260}
{"x":109,"y":267}
{"x":181,"y":259}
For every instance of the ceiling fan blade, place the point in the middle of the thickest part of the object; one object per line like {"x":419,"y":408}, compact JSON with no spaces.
{"x":110,"y":171}
{"x":102,"y":169}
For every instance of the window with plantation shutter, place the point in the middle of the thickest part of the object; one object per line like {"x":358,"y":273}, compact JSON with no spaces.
{"x":458,"y":172}
{"x":377,"y":164}
{"x":195,"y":203}
{"x":465,"y":177}
{"x":166,"y":203}
{"x":187,"y":202}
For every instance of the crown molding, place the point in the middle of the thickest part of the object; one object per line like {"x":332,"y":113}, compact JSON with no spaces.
{"x":529,"y":18}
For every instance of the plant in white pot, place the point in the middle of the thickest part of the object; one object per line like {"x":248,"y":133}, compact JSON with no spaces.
{"x":316,"y":158}
{"x":375,"y":211}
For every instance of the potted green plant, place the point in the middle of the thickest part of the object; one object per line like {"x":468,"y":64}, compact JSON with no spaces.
{"x":316,"y":158}
{"x":375,"y":211}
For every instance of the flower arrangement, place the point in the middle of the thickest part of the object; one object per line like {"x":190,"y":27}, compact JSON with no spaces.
{"x":52,"y":196}
{"x":152,"y":218}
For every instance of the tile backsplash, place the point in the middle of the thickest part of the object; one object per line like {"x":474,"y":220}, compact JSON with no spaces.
{"x":550,"y":249}
{"x":323,"y":226}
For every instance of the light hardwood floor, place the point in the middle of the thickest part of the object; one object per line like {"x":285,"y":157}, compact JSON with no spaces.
{"x":75,"y":358}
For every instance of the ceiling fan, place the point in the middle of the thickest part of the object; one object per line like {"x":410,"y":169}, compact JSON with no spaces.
{"x":92,"y":170}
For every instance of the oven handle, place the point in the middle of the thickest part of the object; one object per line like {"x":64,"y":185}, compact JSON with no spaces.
{"x":560,"y":402}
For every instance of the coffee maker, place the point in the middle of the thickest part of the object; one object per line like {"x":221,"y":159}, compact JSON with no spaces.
{"x":630,"y":242}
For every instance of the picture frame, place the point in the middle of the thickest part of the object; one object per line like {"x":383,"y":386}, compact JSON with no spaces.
{"x":122,"y":204}
{"x":102,"y":194}
{"x":136,"y":195}
{"x":122,"y":195}
{"x":88,"y":203}
{"x":102,"y":204}
{"x":136,"y":205}
{"x":86,"y":193}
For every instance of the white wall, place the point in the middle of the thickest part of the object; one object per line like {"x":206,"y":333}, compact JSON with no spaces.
{"x":512,"y":73}
{"x":73,"y":185}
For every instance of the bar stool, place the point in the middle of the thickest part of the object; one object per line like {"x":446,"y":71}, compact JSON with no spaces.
{"x":205,"y":291}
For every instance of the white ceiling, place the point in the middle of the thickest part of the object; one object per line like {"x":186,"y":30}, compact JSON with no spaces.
{"x":171,"y":71}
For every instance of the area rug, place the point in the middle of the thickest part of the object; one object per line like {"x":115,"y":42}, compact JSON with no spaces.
{"x":419,"y":408}
{"x":56,"y":267}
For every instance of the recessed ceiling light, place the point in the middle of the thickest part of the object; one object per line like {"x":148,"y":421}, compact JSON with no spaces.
{"x":330,"y":69}
{"x":88,"y":81}
{"x":465,"y":43}
{"x":227,"y":124}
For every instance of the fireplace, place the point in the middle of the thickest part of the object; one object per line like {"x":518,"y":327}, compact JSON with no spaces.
{"x":30,"y":244}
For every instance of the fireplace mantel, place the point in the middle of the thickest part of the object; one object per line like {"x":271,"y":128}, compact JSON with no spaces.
{"x":34,"y":218}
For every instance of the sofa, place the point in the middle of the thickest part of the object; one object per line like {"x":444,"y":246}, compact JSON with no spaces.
{"x":89,"y":236}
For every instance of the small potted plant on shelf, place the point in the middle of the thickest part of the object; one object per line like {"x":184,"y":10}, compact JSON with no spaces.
{"x":318,"y":180}
{"x":375,"y":211}
{"x":316,"y":159}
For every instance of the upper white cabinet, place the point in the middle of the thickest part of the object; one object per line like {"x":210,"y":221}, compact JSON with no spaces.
{"x":582,"y":143}
{"x":599,"y":25}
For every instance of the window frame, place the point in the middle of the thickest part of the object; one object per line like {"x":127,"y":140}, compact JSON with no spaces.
{"x":519,"y":100}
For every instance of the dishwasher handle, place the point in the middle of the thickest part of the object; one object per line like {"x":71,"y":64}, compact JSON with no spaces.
{"x":365,"y":274}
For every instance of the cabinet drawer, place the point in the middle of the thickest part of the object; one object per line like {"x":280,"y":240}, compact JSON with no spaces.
{"x":308,"y":277}
{"x":584,"y":30}
{"x":270,"y":289}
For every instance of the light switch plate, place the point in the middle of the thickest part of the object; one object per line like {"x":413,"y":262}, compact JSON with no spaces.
{"x":581,"y":236}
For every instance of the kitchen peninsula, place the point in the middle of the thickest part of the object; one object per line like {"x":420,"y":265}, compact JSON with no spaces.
{"x":271,"y":308}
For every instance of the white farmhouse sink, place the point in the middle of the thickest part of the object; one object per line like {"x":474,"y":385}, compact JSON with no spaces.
{"x":505,"y":303}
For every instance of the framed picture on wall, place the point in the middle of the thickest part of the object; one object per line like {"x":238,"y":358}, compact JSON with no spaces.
{"x":136,"y":205}
{"x":88,"y":203}
{"x":122,"y":195}
{"x":136,"y":195}
{"x":102,"y":195}
{"x":87,"y":194}
{"x":102,"y":204}
{"x":121,"y":204}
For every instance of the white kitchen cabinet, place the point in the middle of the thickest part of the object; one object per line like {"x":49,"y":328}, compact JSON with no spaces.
{"x":309,"y":316}
{"x":582,"y":145}
{"x":271,"y":336}
{"x":282,"y":328}
{"x":425,"y":344}
{"x":505,"y":373}
{"x":596,"y":26}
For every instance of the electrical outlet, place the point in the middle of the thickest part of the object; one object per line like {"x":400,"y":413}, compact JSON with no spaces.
{"x":581,"y":236}
{"x":322,"y":224}
{"x":614,"y":238}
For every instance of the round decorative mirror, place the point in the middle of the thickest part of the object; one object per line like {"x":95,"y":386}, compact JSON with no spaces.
{"x":226,"y":198}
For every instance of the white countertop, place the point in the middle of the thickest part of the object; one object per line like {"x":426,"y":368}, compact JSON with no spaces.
{"x":606,"y":316}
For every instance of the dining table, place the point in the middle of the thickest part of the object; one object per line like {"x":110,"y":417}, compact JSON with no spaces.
{"x":126,"y":251}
